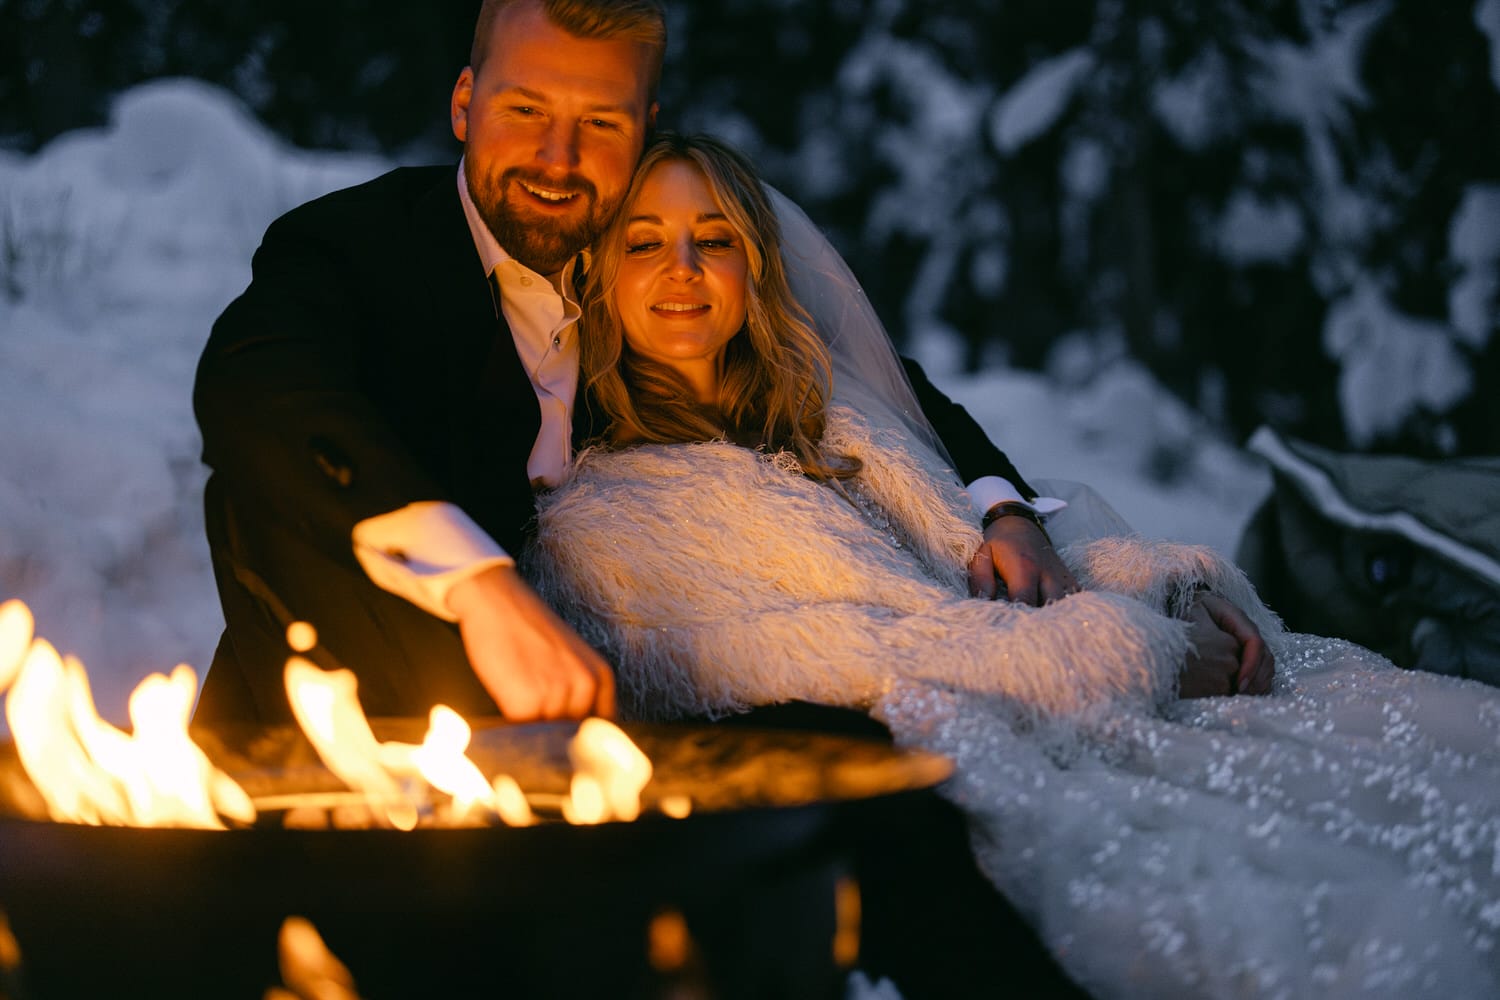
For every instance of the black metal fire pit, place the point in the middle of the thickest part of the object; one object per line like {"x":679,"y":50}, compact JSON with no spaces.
{"x":550,"y":910}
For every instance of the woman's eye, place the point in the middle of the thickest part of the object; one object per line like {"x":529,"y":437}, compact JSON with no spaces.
{"x":641,"y":246}
{"x":717,"y":243}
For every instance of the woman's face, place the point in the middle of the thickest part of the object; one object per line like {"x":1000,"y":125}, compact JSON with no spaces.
{"x":681,"y":286}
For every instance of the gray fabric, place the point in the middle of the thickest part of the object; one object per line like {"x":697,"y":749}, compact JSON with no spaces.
{"x":1399,"y":554}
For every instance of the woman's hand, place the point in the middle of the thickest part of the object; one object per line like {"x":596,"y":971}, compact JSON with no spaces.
{"x":1227,"y":655}
{"x":1017,"y":561}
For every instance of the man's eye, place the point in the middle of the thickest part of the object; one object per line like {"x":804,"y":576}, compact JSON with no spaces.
{"x":601,"y":123}
{"x":523,"y":109}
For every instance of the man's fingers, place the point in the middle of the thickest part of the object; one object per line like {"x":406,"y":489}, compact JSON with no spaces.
{"x":1024,"y":585}
{"x":518,"y":701}
{"x":1264,"y":675}
{"x":604,"y":697}
{"x":1252,"y":652}
{"x":982,"y":573}
{"x":1058,"y":584}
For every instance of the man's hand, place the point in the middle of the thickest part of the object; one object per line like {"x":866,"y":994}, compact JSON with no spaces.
{"x":1018,"y":562}
{"x":529,"y":660}
{"x":1228,"y":655}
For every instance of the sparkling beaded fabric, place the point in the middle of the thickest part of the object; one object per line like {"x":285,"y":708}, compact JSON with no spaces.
{"x":1340,"y":838}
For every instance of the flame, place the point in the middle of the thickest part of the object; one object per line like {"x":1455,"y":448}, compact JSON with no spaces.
{"x":610,"y":773}
{"x":15,"y":639}
{"x":308,"y":968}
{"x":669,"y":944}
{"x":676,"y":806}
{"x":327,"y":708}
{"x":510,"y":802}
{"x":88,"y":771}
{"x":846,"y":908}
{"x":441,"y":761}
{"x":610,"y":770}
{"x":391,"y":774}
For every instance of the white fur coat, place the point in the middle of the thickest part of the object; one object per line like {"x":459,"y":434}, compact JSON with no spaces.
{"x":717,"y":578}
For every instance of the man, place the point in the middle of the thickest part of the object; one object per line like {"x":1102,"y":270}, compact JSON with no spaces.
{"x":380,"y":402}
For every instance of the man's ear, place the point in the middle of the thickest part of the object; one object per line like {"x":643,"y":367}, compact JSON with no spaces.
{"x":458,"y":104}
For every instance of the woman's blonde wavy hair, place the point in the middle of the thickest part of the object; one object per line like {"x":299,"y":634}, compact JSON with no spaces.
{"x":777,"y":370}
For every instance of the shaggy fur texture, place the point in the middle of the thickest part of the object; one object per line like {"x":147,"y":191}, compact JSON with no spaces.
{"x":718,"y":578}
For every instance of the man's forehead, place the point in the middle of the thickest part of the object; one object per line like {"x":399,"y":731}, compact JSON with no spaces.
{"x":531,"y":55}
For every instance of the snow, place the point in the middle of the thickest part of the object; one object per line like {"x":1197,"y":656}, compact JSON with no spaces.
{"x":1391,"y":364}
{"x":1487,"y":19}
{"x":1254,"y":230}
{"x":120,"y":246}
{"x":1474,"y":248}
{"x":1313,"y":84}
{"x":1033,"y":105}
{"x":1191,"y":105}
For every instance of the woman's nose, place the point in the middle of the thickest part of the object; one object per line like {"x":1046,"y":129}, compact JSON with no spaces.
{"x":683,"y":264}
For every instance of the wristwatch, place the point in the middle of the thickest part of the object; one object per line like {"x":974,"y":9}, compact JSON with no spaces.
{"x":1007,"y":508}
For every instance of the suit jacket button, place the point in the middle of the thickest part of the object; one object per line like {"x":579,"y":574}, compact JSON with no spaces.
{"x":332,"y":462}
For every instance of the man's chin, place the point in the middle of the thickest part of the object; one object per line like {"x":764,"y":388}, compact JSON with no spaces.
{"x":538,"y":243}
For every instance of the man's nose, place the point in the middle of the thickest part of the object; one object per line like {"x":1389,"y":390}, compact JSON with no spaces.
{"x":559,"y":147}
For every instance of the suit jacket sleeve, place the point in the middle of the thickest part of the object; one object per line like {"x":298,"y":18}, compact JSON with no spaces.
{"x":974,"y":455}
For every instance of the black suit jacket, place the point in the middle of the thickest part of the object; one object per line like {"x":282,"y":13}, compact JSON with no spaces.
{"x":365,"y":368}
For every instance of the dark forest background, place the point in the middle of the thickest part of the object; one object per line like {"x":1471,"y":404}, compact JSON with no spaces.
{"x":1286,"y":209}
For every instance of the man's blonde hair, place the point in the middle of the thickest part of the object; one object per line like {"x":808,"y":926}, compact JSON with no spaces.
{"x":643,"y":21}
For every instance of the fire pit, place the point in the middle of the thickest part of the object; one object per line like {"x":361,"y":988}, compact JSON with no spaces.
{"x":550,"y":909}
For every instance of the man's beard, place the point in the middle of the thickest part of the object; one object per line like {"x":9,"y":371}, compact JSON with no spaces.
{"x":544,"y":243}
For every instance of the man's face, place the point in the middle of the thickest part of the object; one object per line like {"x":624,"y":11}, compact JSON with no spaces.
{"x":552,"y":126}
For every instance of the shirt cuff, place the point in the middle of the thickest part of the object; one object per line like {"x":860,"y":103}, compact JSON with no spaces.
{"x":987,"y":491}
{"x":421,"y":551}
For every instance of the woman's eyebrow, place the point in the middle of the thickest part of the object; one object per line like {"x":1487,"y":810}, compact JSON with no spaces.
{"x":702,"y":217}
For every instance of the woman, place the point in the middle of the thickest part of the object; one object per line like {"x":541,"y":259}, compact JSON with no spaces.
{"x":803,"y":539}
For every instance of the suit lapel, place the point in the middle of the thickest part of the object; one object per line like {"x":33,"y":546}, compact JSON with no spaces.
{"x":493,"y":409}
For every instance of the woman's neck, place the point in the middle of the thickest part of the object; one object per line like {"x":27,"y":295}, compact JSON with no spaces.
{"x":704,"y":378}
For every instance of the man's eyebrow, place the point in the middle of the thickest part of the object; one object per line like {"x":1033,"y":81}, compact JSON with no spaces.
{"x":537,"y":97}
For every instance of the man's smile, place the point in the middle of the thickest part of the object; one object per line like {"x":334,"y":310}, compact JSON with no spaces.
{"x":548,"y":195}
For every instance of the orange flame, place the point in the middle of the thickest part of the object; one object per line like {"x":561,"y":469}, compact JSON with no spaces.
{"x":610,"y":772}
{"x":327,"y":708}
{"x":88,"y":771}
{"x":391,"y":774}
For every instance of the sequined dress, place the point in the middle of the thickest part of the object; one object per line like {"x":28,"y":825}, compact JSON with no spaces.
{"x":1338,"y":838}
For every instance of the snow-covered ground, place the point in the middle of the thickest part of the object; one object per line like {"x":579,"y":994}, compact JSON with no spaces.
{"x":119,"y":246}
